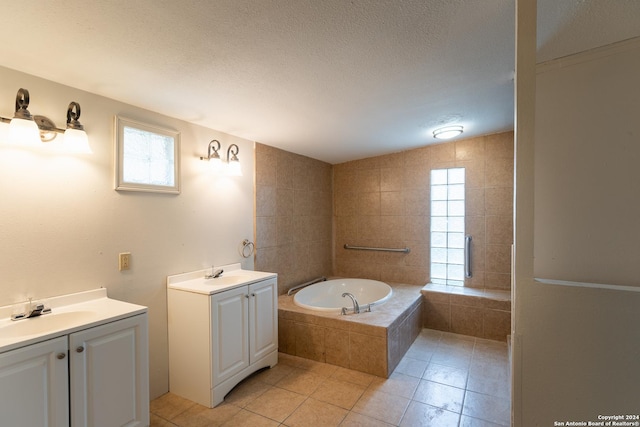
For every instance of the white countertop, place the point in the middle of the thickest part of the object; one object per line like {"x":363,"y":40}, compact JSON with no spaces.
{"x":69,"y":313}
{"x":232,"y":277}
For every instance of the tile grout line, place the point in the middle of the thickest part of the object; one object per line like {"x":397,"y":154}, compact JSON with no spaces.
{"x":466,"y":390}
{"x":451,"y":341}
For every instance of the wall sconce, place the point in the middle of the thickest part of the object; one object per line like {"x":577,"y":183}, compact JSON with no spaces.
{"x":447,"y":132}
{"x":232,"y":167}
{"x":234,"y":162}
{"x":22,"y":127}
{"x":212,"y":155}
{"x":28,"y":130}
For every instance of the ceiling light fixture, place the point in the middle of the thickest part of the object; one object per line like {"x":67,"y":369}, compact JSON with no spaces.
{"x":28,"y":130}
{"x":447,"y":132}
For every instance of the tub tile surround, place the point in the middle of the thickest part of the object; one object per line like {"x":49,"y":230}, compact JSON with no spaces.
{"x":304,"y":206}
{"x":372,"y":343}
{"x":385,"y":202}
{"x":480,"y":313}
{"x":293,"y":210}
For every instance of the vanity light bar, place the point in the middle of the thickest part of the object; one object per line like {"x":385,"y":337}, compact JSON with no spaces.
{"x":28,"y":129}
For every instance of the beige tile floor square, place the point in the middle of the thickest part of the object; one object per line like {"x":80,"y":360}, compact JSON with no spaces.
{"x":444,"y":380}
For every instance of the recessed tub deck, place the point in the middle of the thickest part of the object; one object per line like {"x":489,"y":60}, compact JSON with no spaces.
{"x":372,"y":342}
{"x":330,"y":295}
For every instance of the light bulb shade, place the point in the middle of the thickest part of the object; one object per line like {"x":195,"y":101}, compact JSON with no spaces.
{"x":4,"y":132}
{"x":234,"y":168}
{"x":76,"y":141}
{"x":215,"y":165}
{"x":24,"y":132}
{"x":213,"y":157}
{"x":22,"y":129}
{"x":447,"y":132}
{"x":233,"y":163}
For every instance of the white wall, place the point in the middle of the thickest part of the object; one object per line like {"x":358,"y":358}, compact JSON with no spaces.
{"x":576,"y":347}
{"x":62,"y":224}
{"x":588,"y":167}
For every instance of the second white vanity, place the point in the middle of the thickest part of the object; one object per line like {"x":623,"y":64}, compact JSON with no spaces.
{"x":221,"y":330}
{"x":84,"y":363}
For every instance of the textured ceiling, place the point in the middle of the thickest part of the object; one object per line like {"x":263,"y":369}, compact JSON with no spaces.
{"x":335,"y":80}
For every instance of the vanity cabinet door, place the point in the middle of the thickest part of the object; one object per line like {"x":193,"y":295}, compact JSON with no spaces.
{"x":110,"y":374}
{"x":230,"y":333}
{"x":263,"y":318}
{"x":34,"y":385}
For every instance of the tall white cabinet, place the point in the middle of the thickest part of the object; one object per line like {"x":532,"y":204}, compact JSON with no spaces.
{"x":220,"y":331}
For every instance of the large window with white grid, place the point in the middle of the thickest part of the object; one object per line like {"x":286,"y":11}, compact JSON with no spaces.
{"x":447,"y":226}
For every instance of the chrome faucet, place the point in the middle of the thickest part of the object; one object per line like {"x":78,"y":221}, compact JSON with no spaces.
{"x":33,"y":310}
{"x":356,"y":306}
{"x":214,"y":273}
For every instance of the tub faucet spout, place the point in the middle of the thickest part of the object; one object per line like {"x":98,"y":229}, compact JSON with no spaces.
{"x":356,"y":306}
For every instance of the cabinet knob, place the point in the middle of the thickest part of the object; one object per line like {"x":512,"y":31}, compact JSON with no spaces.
{"x":247,"y":296}
{"x":253,"y":295}
{"x":80,"y":349}
{"x":61,"y":355}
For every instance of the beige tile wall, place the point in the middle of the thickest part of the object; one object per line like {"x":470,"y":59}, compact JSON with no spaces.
{"x":380,"y":201}
{"x":293,"y":210}
{"x":384,"y":202}
{"x":479,"y":316}
{"x":368,"y":342}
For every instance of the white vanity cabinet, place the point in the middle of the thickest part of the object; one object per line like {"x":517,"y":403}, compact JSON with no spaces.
{"x":34,"y":385}
{"x":218,"y":335}
{"x":244,"y":325}
{"x":93,"y":372}
{"x":109,"y":374}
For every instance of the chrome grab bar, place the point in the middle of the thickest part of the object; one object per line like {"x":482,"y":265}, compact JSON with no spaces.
{"x":365,"y":248}
{"x":467,"y":256}
{"x":310,"y":282}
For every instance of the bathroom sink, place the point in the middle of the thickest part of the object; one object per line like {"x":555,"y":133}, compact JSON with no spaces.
{"x":44,"y":324}
{"x":69,"y":313}
{"x":226,"y":280}
{"x":232,"y":276}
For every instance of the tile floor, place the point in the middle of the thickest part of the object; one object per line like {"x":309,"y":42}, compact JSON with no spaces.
{"x":443,"y":380}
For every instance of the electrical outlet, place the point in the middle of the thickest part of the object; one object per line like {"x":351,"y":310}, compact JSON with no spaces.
{"x":124,"y":261}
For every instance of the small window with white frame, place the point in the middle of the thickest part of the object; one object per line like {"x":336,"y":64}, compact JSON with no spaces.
{"x":447,"y":226}
{"x":147,"y":157}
